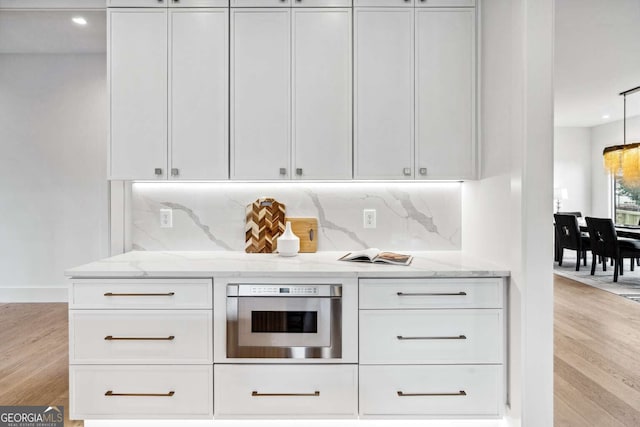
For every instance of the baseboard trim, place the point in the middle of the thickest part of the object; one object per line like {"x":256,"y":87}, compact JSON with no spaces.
{"x":16,"y":295}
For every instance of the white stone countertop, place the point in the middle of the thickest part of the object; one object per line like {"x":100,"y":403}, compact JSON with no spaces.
{"x":226,"y":263}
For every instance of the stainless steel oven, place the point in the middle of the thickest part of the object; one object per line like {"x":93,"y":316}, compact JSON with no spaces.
{"x":284,"y":321}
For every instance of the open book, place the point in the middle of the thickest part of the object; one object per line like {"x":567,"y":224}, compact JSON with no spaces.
{"x":374,"y":255}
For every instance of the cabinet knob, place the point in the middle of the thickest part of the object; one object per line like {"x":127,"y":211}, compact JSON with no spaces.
{"x":423,"y":171}
{"x":299,"y":171}
{"x":158,"y":171}
{"x":175,"y":171}
{"x":406,"y":171}
{"x":283,"y":171}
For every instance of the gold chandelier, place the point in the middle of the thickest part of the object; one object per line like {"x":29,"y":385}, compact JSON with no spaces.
{"x":624,"y":160}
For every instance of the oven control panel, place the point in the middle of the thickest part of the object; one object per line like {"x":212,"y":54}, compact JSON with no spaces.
{"x":284,"y":290}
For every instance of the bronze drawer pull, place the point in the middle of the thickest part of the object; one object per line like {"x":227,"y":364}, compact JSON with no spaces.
{"x":436,"y":294}
{"x":111,"y":393}
{"x":460,"y":393}
{"x":256,"y":394}
{"x":459,"y":337}
{"x":111,"y":294}
{"x":112,"y":338}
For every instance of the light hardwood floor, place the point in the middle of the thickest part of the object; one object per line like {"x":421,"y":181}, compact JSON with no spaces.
{"x":597,"y":357}
{"x":34,"y":356}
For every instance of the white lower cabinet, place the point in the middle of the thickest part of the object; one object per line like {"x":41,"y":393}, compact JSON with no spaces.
{"x":291,"y":391}
{"x":430,"y":336}
{"x":453,"y":390}
{"x":140,"y":336}
{"x":147,"y":392}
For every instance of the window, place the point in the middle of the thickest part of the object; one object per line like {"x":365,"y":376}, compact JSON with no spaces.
{"x":626,"y":203}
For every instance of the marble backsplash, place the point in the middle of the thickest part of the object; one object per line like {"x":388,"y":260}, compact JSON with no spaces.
{"x":211,"y":216}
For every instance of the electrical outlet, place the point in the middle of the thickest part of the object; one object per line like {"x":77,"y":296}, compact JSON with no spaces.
{"x":166,"y":218}
{"x":369,"y":218}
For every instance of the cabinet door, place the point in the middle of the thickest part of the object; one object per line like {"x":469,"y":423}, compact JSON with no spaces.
{"x":138,"y":93}
{"x":321,"y":3}
{"x":261,"y":3}
{"x":384,"y":93}
{"x":138,"y":3}
{"x":199,"y":94}
{"x":384,"y":3}
{"x":445,"y":93}
{"x":260,"y":93}
{"x":198,"y":3}
{"x":322,"y":93}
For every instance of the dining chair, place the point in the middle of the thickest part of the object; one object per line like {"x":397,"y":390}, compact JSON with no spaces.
{"x":576,"y":214}
{"x":568,"y":236}
{"x":606,"y":243}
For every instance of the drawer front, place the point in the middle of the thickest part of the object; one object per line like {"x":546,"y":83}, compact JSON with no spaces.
{"x":431,"y":390}
{"x":143,"y":336}
{"x":445,"y":3}
{"x":291,"y":391}
{"x":431,"y":336}
{"x":431,"y":293}
{"x":141,"y":392}
{"x":141,"y":293}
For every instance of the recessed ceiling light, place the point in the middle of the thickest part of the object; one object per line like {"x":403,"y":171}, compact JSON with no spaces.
{"x":605,"y":116}
{"x":79,"y":20}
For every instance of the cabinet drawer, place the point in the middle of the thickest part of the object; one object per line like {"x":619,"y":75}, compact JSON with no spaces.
{"x":431,"y":336}
{"x":431,"y":390}
{"x":144,"y":336}
{"x":445,"y":3}
{"x":296,"y":391}
{"x":140,"y":392}
{"x":431,"y":293}
{"x":141,"y":293}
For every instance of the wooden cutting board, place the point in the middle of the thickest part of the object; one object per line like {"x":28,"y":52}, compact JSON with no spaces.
{"x":264,"y":223}
{"x":307,"y":230}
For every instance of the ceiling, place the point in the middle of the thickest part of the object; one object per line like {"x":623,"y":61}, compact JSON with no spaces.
{"x":52,"y":31}
{"x":597,"y":56}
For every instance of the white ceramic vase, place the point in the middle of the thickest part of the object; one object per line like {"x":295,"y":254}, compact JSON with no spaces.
{"x":288,"y":243}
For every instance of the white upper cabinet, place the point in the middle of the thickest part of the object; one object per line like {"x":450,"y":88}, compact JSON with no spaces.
{"x":138,"y":93}
{"x":445,"y":93}
{"x":167,"y":3}
{"x":199,"y":100}
{"x":322,"y":90}
{"x":321,"y":3}
{"x":384,"y":3}
{"x":445,"y":3}
{"x":260,"y":93}
{"x":384,"y":95}
{"x":261,"y":3}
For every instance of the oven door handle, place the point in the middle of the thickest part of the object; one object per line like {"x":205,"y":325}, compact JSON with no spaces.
{"x":256,"y":394}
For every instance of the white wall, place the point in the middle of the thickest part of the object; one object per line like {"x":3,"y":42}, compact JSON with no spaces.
{"x":601,"y":137}
{"x":53,"y":189}
{"x":572,"y":167}
{"x":507,"y":214}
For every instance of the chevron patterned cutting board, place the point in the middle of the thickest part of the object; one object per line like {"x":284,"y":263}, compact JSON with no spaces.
{"x":264,"y":223}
